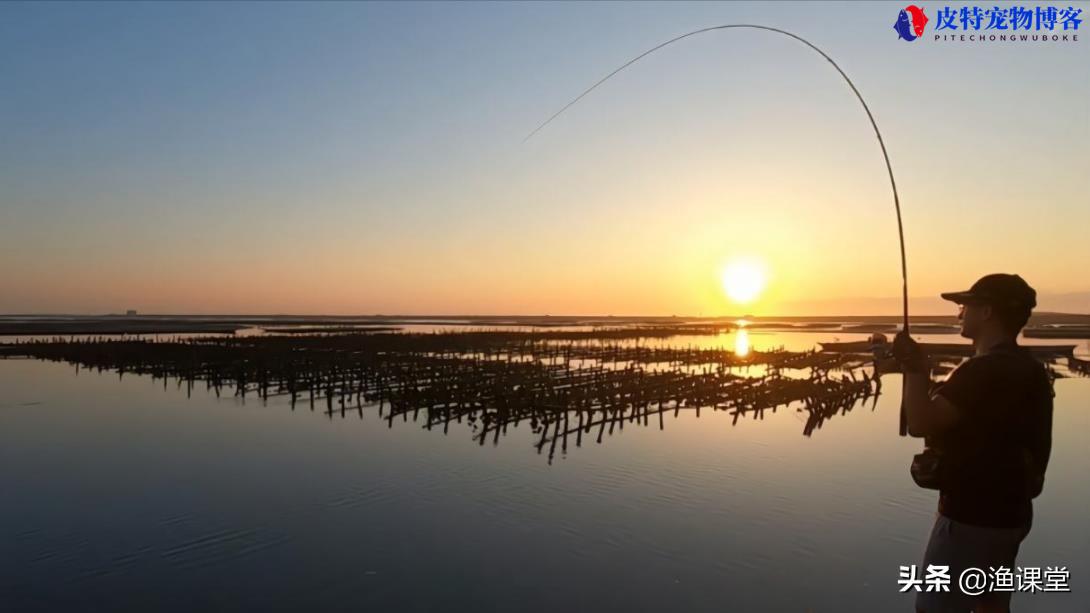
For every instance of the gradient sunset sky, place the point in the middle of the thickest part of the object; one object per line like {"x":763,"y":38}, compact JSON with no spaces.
{"x":368,"y":158}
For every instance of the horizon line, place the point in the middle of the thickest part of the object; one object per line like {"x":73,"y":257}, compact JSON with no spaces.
{"x":495,"y":316}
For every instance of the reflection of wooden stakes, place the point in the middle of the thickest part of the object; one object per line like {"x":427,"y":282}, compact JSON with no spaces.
{"x":565,"y":385}
{"x":1078,"y":366}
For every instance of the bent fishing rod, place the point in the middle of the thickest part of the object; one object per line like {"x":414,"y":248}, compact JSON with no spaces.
{"x":870,"y":116}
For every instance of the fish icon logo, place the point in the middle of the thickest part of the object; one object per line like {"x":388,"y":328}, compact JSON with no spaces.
{"x":910,"y":23}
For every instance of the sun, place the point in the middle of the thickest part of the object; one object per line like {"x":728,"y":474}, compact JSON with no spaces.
{"x":743,"y":280}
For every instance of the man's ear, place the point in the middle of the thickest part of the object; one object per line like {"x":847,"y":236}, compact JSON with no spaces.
{"x":987,"y":312}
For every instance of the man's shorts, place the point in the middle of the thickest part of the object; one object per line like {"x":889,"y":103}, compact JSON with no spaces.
{"x":960,"y":546}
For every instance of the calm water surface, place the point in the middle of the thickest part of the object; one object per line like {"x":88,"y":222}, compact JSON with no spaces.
{"x":120,"y":495}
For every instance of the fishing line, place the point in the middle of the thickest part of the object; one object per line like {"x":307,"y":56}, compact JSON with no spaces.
{"x":870,"y":116}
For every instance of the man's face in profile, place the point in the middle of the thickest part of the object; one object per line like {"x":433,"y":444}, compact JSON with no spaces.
{"x":971,"y":316}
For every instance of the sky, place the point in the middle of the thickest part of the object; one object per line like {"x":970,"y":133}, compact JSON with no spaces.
{"x":363,"y":158}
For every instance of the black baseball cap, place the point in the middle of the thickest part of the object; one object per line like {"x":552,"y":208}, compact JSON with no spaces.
{"x":998,"y":289}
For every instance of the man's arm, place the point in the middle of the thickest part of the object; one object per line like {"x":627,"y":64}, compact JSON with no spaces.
{"x":1040,"y":432}
{"x":927,"y":414}
{"x":1044,"y":434}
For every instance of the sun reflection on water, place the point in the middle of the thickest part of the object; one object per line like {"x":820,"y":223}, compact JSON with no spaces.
{"x":741,"y":342}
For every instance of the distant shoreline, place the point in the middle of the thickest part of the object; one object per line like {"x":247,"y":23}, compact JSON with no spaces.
{"x":1048,"y":317}
{"x":1041,"y":325}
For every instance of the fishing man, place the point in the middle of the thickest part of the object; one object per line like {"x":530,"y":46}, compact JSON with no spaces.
{"x":988,"y":433}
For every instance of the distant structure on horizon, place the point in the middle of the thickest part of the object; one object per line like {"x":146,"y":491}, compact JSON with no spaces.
{"x":130,"y":313}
